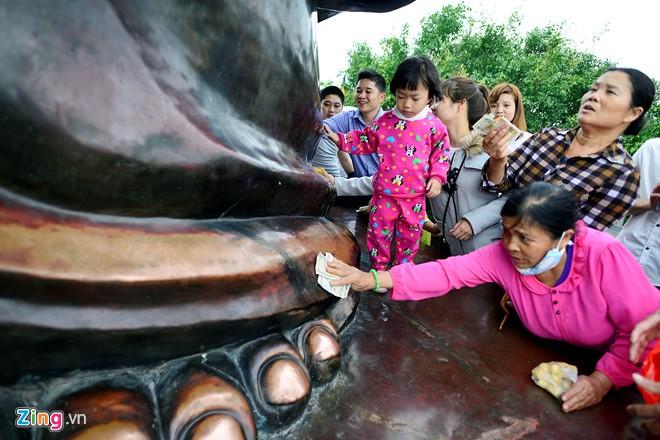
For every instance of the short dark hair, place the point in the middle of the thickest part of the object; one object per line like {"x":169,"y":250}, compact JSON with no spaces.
{"x":643,"y":93}
{"x":374,"y":76}
{"x":475,"y":95}
{"x":415,"y":70}
{"x":332,"y":90}
{"x":549,"y":206}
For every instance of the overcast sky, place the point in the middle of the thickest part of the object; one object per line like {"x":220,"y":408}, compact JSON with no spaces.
{"x":628,"y":31}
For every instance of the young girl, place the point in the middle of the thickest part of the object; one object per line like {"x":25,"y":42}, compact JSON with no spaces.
{"x":413,"y":150}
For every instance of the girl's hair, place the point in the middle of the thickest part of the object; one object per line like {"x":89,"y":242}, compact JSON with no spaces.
{"x":643,"y":93}
{"x":548,"y":206}
{"x":415,"y":70}
{"x":475,"y":95}
{"x":511,"y":89}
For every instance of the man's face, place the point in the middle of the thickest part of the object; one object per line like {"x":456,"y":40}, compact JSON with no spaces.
{"x":330,"y":106}
{"x":367,"y":96}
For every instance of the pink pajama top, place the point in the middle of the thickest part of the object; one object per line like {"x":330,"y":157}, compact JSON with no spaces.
{"x":409,"y":151}
{"x":605,"y":294}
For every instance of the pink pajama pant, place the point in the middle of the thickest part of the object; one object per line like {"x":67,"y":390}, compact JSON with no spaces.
{"x":398,"y":218}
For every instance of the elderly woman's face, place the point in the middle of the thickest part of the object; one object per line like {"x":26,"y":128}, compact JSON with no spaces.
{"x":608,"y":102}
{"x":526,"y":242}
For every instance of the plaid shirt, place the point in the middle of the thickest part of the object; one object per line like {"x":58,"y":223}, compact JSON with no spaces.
{"x":605,"y":183}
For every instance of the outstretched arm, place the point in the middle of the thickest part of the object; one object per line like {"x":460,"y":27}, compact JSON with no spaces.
{"x":355,"y":142}
{"x":437,"y":278}
{"x":428,"y":280}
{"x":358,"y":279}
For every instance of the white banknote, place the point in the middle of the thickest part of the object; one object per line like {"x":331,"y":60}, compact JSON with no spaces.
{"x":489,"y":122}
{"x":324,"y":277}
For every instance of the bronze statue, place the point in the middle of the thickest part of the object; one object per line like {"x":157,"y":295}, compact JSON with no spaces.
{"x":159,"y":219}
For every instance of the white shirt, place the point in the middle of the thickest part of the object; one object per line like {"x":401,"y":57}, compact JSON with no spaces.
{"x":355,"y":186}
{"x":641,"y":234}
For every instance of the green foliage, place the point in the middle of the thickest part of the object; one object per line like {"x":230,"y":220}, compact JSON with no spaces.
{"x":551,"y":73}
{"x":394,"y":50}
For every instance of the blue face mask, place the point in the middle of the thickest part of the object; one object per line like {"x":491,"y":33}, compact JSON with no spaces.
{"x":550,"y":260}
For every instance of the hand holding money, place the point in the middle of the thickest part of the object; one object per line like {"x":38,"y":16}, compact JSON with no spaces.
{"x":497,"y":133}
{"x":347,"y":275}
{"x":489,"y":123}
{"x":324,"y":277}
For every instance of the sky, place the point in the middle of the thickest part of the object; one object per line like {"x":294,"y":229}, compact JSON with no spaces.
{"x":628,"y":32}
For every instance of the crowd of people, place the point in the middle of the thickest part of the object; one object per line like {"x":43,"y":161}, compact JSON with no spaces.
{"x":530,"y":213}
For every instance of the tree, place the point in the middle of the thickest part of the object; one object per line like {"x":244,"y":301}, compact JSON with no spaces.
{"x":552,"y":74}
{"x":394,"y":50}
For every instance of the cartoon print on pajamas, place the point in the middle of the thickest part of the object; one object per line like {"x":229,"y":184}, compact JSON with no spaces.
{"x":394,"y":213}
{"x":410,"y":153}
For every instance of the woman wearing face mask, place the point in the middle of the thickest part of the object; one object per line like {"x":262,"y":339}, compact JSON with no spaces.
{"x":564,"y":280}
{"x":506,"y":101}
{"x":467,"y":217}
{"x":589,"y":160}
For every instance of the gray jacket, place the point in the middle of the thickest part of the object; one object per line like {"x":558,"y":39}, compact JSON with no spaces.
{"x":480,"y":208}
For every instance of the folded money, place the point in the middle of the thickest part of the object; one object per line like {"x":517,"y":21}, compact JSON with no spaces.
{"x":324,"y":277}
{"x":555,"y":377}
{"x":489,"y":122}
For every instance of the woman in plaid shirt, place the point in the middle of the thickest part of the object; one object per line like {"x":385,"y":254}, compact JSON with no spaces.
{"x":589,"y":160}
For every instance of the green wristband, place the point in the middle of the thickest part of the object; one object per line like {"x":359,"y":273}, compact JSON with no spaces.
{"x":374,"y":272}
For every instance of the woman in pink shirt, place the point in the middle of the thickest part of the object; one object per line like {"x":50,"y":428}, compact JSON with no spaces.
{"x":566,"y":281}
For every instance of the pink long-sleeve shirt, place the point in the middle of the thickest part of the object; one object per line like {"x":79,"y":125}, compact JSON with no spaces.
{"x":605,"y":294}
{"x":409,"y":151}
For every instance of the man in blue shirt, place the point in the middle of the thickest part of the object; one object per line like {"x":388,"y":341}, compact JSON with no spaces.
{"x":369,"y":95}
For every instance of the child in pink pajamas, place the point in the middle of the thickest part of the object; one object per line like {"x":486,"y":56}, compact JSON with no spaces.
{"x":413,"y":149}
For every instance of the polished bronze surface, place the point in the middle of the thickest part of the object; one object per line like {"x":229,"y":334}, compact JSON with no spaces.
{"x":161,"y":109}
{"x":112,"y":431}
{"x":322,"y":345}
{"x":102,"y":282}
{"x":210,"y":406}
{"x":319,"y":343}
{"x":145,"y":192}
{"x":109,"y":413}
{"x":277,"y":378}
{"x":217,"y":427}
{"x":284,"y":382}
